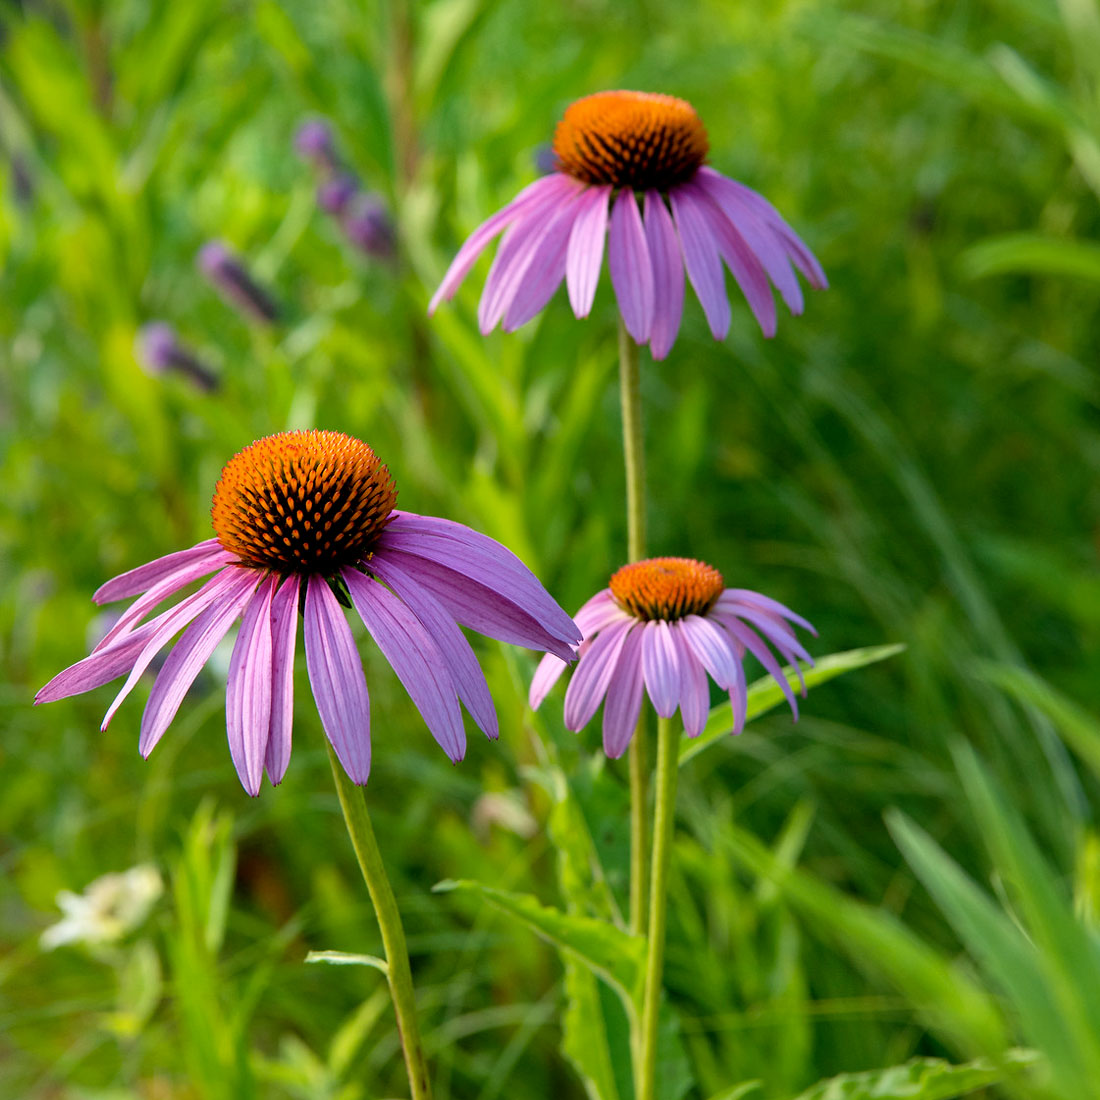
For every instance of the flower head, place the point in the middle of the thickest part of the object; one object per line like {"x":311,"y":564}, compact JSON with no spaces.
{"x":110,"y":907}
{"x":160,"y":351}
{"x":613,"y":149}
{"x":661,"y":627}
{"x":235,"y":283}
{"x":313,"y":141}
{"x":303,"y":519}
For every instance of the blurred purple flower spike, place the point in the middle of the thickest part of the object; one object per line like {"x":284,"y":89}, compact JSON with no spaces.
{"x":369,"y":227}
{"x":159,"y":351}
{"x":334,"y":195}
{"x":313,"y":142}
{"x":233,"y":282}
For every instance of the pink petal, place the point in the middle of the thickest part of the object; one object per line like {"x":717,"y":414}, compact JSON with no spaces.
{"x":585,"y":257}
{"x":701,"y":258}
{"x":469,"y":681}
{"x":413,"y":656}
{"x":713,"y":647}
{"x":546,"y":676}
{"x":660,"y":667}
{"x":731,"y":597}
{"x":248,"y":691}
{"x":284,"y":636}
{"x":336,"y":676}
{"x":139,"y":579}
{"x":668,"y":275}
{"x":631,"y":268}
{"x":598,"y":613}
{"x":103,"y":666}
{"x":545,"y":270}
{"x":225,"y":587}
{"x":752,"y":642}
{"x":694,"y":692}
{"x":746,"y":268}
{"x":189,"y":655}
{"x":624,"y":697}
{"x":593,"y":674}
{"x":161,"y":590}
{"x":761,"y":237}
{"x":479,"y":240}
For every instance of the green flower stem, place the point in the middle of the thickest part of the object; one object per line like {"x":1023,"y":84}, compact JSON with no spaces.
{"x":634,"y":456}
{"x":354,"y":805}
{"x":664,"y":815}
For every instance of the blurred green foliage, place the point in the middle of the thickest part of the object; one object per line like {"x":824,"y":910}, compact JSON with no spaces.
{"x":916,"y":460}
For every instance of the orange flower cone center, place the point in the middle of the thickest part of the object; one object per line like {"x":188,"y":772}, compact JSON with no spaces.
{"x":666,"y":588}
{"x":303,"y":502}
{"x":631,"y":139}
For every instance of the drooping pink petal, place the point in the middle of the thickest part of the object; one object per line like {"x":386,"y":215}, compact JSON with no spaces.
{"x":545,"y":270}
{"x":668,"y":275}
{"x":189,"y":655}
{"x":694,"y":693}
{"x":469,"y":680}
{"x":161,"y":590}
{"x":478,"y":606}
{"x":413,"y":656}
{"x":479,"y":240}
{"x":746,"y":268}
{"x":546,"y":676}
{"x":592,"y":676}
{"x":660,"y":667}
{"x":624,"y":697}
{"x":702,"y":259}
{"x":518,"y":248}
{"x":139,"y":579}
{"x":755,"y":645}
{"x":586,"y":242}
{"x":219,"y":590}
{"x":796,"y":248}
{"x":733,"y":596}
{"x":598,"y":613}
{"x":101,"y":667}
{"x":761,"y":237}
{"x":248,"y":690}
{"x":284,"y":635}
{"x":631,"y":267}
{"x":482,"y":559}
{"x":780,"y":635}
{"x":739,"y":700}
{"x":336,"y":676}
{"x":713,"y":647}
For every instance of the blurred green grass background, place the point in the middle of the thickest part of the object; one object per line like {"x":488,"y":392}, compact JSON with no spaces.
{"x":916,"y":459}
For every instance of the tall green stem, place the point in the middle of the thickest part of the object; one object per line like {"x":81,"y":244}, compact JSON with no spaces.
{"x":634,"y":456}
{"x":354,"y":806}
{"x":664,"y":814}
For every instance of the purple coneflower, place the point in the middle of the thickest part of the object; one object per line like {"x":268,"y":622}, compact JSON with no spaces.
{"x":611,"y":149}
{"x":235,"y":283}
{"x":297,"y":516}
{"x":661,"y":626}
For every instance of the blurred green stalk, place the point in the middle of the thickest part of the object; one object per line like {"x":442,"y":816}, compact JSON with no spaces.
{"x":630,"y":393}
{"x":354,"y":805}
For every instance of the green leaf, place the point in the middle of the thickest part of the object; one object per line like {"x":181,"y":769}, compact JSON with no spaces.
{"x":343,"y":958}
{"x":765,"y":693}
{"x":1032,"y":254}
{"x":1079,"y":729}
{"x":585,"y":1040}
{"x":919,"y":1079}
{"x":608,"y":951}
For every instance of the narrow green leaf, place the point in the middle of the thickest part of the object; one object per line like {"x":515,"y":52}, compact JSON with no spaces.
{"x":584,"y":1033}
{"x":608,"y":951}
{"x":919,"y":1079}
{"x":1031,"y":254}
{"x":343,"y":958}
{"x":765,"y":693}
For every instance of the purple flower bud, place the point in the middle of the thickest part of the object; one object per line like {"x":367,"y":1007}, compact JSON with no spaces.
{"x":159,"y":350}
{"x":229,"y":277}
{"x":314,"y":142}
{"x":368,"y":226}
{"x":546,"y":160}
{"x":335,"y":194}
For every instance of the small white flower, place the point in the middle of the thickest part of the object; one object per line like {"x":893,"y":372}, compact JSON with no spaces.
{"x":110,"y":906}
